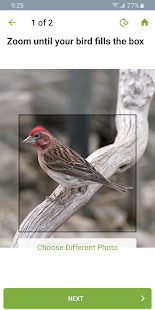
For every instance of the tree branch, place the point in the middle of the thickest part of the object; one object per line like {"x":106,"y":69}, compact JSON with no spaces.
{"x":135,"y":92}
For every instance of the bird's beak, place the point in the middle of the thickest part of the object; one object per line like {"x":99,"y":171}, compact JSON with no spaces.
{"x":29,"y":140}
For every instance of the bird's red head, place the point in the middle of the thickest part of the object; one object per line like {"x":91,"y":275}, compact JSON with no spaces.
{"x":39,"y":137}
{"x":37,"y":129}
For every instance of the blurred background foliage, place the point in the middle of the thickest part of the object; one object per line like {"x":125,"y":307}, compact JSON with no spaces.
{"x":78,"y":107}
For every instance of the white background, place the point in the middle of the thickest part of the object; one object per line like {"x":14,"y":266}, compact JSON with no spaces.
{"x":31,"y":268}
{"x":72,"y":24}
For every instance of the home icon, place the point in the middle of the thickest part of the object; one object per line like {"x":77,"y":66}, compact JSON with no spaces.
{"x":144,"y":22}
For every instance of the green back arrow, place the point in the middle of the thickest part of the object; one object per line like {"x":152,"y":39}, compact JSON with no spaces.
{"x":11,"y":22}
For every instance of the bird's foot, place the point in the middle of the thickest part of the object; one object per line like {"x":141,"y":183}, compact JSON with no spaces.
{"x":50,"y":198}
{"x":62,"y":198}
{"x":55,"y":198}
{"x":66,"y":196}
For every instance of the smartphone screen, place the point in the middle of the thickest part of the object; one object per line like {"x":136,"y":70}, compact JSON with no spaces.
{"x":77,"y":172}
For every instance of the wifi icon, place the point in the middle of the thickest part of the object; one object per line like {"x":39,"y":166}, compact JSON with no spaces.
{"x":116,"y":5}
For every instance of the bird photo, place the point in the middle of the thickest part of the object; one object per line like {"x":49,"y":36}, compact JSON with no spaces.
{"x":64,"y":165}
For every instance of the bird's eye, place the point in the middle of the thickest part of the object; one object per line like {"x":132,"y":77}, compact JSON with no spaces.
{"x":37,"y":135}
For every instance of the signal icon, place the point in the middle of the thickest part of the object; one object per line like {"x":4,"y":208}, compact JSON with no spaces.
{"x":116,"y":4}
{"x":122,"y":6}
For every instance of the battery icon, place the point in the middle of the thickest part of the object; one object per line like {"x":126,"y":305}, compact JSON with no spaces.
{"x":142,"y":6}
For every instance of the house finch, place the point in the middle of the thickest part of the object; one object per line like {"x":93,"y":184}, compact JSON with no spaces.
{"x":64,"y":165}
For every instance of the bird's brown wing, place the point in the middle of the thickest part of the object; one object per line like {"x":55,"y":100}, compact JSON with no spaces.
{"x":64,"y":160}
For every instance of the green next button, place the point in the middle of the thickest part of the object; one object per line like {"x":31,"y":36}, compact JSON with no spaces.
{"x":77,"y":298}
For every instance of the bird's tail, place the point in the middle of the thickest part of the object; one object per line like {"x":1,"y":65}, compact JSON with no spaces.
{"x":119,"y":187}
